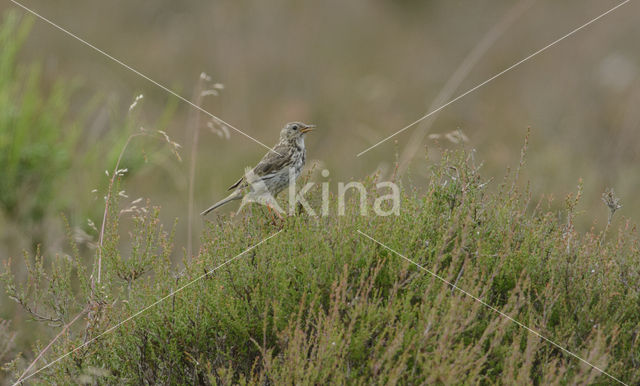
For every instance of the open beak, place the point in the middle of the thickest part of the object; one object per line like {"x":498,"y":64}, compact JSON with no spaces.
{"x":307,"y":129}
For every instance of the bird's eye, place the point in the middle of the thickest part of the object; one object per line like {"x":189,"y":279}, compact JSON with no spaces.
{"x":295,"y":127}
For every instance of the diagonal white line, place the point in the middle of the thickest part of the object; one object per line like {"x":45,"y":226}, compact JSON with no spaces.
{"x":489,"y":306}
{"x":494,"y":77}
{"x":110,"y":329}
{"x":219,"y":120}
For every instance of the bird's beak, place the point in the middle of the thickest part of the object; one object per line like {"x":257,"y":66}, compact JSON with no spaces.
{"x":308,"y":129}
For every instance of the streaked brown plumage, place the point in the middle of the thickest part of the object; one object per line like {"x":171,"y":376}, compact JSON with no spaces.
{"x":274,"y":168}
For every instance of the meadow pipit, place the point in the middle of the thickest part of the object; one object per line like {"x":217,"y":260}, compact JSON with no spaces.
{"x":273,"y":172}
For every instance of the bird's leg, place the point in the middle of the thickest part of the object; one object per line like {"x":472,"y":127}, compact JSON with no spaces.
{"x":273,"y":218}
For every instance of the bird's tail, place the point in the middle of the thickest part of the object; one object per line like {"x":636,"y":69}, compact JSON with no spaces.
{"x":233,"y":196}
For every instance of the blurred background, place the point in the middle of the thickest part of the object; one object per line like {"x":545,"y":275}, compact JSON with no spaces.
{"x":359,"y":70}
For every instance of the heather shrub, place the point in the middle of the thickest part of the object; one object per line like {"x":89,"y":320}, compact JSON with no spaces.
{"x":320,"y":302}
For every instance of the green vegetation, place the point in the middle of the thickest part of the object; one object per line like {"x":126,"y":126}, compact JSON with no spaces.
{"x":56,"y":140}
{"x":43,"y":145}
{"x":320,"y":303}
{"x":36,"y":144}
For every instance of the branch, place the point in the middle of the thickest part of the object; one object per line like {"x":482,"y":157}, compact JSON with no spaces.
{"x":64,"y":329}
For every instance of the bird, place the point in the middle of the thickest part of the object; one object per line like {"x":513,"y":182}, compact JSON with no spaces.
{"x":274,"y":170}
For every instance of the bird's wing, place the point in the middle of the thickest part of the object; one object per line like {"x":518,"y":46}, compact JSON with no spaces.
{"x":270,"y":163}
{"x":237,"y":183}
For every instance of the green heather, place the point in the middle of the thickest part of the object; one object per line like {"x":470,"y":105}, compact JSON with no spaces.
{"x":319,"y":303}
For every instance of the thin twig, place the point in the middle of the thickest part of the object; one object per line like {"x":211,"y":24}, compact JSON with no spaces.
{"x":523,"y":154}
{"x":64,"y":329}
{"x":34,"y":314}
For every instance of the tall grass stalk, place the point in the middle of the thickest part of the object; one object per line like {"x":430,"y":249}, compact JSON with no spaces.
{"x":194,"y":127}
{"x":462,"y":71}
{"x":116,"y":173}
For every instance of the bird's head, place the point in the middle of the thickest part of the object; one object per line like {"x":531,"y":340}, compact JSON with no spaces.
{"x":295,"y":130}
